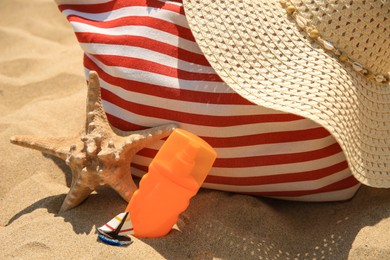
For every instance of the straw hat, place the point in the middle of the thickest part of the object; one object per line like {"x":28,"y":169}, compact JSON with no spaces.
{"x":325,"y":60}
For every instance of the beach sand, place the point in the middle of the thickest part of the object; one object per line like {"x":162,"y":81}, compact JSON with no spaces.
{"x":43,"y":92}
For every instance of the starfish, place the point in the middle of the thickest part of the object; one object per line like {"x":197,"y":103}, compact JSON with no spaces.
{"x":100,"y":154}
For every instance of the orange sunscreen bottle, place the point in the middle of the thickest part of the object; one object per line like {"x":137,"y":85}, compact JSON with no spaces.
{"x":175,"y":175}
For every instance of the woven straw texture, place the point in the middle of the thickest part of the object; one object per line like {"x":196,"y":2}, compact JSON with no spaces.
{"x":258,"y":50}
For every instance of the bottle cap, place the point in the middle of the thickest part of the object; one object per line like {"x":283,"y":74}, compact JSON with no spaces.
{"x":192,"y":147}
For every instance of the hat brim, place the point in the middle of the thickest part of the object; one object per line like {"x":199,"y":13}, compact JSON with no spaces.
{"x":261,"y":54}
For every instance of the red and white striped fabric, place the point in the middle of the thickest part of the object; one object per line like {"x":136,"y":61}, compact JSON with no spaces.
{"x":152,"y":72}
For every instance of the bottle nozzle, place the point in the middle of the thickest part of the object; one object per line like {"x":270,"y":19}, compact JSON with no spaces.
{"x":189,"y":153}
{"x":190,"y":149}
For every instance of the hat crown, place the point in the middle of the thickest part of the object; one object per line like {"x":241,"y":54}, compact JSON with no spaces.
{"x":360,"y":29}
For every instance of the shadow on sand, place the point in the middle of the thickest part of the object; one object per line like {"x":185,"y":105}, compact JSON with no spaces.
{"x":226,"y":226}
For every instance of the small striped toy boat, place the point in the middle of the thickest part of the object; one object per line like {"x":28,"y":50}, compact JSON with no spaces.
{"x":116,"y":231}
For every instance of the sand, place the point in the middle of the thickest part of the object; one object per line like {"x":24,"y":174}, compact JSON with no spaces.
{"x":43,"y":91}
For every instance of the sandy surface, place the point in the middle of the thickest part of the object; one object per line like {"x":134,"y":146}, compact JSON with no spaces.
{"x":42,"y":92}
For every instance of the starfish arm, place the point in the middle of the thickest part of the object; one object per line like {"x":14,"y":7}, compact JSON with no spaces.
{"x":56,"y":146}
{"x":78,"y":192}
{"x":122,"y":182}
{"x":75,"y":196}
{"x":95,"y":112}
{"x":93,"y":95}
{"x":140,"y":139}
